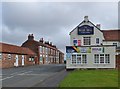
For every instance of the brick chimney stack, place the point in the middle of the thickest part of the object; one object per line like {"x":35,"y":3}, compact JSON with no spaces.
{"x":41,"y":40}
{"x":98,"y":25}
{"x":30,"y":37}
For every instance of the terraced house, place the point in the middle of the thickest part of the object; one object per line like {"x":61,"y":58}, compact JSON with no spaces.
{"x":30,"y":53}
{"x":46,"y":52}
{"x":91,"y":47}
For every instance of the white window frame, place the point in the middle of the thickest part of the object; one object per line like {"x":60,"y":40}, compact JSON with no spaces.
{"x":104,"y":56}
{"x":0,"y":56}
{"x":107,"y":58}
{"x":9,"y":56}
{"x":76,"y":59}
{"x":88,"y":41}
{"x":97,"y":41}
{"x":96,"y":58}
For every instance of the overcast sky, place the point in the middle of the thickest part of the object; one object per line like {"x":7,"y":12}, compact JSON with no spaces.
{"x":52,"y":21}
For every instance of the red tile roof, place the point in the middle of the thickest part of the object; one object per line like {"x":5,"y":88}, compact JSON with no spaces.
{"x":8,"y":48}
{"x":111,"y":35}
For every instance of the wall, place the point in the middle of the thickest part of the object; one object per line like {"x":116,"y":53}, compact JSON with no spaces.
{"x":90,"y":60}
{"x":7,"y":63}
{"x":97,"y":34}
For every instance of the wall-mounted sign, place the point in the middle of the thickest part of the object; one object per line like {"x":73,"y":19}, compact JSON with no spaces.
{"x":76,"y":49}
{"x":76,"y":42}
{"x":97,"y":49}
{"x":85,"y":30}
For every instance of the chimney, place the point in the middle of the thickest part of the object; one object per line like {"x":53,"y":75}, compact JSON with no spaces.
{"x":41,"y":40}
{"x":30,"y":37}
{"x":98,"y":25}
{"x":51,"y":43}
{"x":86,"y":18}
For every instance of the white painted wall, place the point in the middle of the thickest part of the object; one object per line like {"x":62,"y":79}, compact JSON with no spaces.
{"x":97,"y":34}
{"x":90,"y":60}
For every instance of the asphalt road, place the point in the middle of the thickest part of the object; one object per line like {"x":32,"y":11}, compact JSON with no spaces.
{"x":34,"y":76}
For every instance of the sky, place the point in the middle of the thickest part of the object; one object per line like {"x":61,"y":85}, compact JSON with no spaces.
{"x":52,"y":20}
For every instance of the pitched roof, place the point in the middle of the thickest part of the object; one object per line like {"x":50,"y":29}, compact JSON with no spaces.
{"x":111,"y":35}
{"x":8,"y":48}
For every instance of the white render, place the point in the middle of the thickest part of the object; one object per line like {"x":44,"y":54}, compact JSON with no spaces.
{"x":97,"y":34}
{"x":90,"y":60}
{"x":108,"y":47}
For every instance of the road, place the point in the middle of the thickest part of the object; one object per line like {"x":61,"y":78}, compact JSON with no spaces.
{"x":34,"y":76}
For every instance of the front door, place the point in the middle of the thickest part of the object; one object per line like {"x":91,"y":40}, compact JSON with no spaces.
{"x":23,"y":62}
{"x":16,"y":61}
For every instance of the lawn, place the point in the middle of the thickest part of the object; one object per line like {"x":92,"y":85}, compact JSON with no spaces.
{"x":91,"y":78}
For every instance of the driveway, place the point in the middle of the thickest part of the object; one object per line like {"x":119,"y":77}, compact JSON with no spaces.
{"x":34,"y":76}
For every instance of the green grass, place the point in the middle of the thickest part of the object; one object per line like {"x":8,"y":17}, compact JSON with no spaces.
{"x":91,"y":78}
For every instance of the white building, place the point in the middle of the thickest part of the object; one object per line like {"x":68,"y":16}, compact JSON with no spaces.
{"x":91,"y":47}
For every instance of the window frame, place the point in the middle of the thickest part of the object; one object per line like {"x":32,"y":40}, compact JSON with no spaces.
{"x":9,"y":56}
{"x":86,"y":40}
{"x":97,"y":41}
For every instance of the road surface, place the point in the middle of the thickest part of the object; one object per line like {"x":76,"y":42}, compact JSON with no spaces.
{"x":34,"y":76}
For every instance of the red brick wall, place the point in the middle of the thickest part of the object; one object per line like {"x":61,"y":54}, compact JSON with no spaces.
{"x":7,"y":63}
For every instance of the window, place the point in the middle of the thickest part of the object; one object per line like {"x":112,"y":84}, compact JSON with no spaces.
{"x":96,"y":58}
{"x":107,"y":58}
{"x":97,"y":40}
{"x":73,"y":59}
{"x":101,"y":58}
{"x":9,"y":56}
{"x":0,"y":56}
{"x":84,"y":59}
{"x":46,"y":50}
{"x":41,"y":49}
{"x":115,"y":44}
{"x":79,"y":59}
{"x":87,"y":40}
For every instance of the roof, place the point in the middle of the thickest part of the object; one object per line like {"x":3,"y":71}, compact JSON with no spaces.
{"x":82,"y":23}
{"x":111,"y":35}
{"x":8,"y":48}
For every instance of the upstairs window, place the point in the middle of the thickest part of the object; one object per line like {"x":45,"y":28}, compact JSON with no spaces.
{"x":9,"y":56}
{"x":97,"y":40}
{"x":87,"y":40}
{"x":0,"y":56}
{"x":115,"y":44}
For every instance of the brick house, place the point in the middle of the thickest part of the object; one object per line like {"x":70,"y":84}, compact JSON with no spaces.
{"x":12,"y":55}
{"x":46,"y":52}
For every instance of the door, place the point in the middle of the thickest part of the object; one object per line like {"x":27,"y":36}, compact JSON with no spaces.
{"x":23,"y":61}
{"x":16,"y":61}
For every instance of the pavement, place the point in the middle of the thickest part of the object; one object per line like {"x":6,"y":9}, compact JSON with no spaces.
{"x":48,"y":75}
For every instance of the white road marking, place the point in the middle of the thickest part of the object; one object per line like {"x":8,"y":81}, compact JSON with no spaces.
{"x":25,"y":72}
{"x":15,"y":74}
{"x":6,"y":78}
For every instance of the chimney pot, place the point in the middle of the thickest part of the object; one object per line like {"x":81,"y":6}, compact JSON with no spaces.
{"x":86,"y":18}
{"x":98,"y":25}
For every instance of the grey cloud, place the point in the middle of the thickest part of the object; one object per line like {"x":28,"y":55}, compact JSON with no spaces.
{"x":53,"y":21}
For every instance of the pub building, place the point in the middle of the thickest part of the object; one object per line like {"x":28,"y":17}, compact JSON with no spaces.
{"x":91,"y":47}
